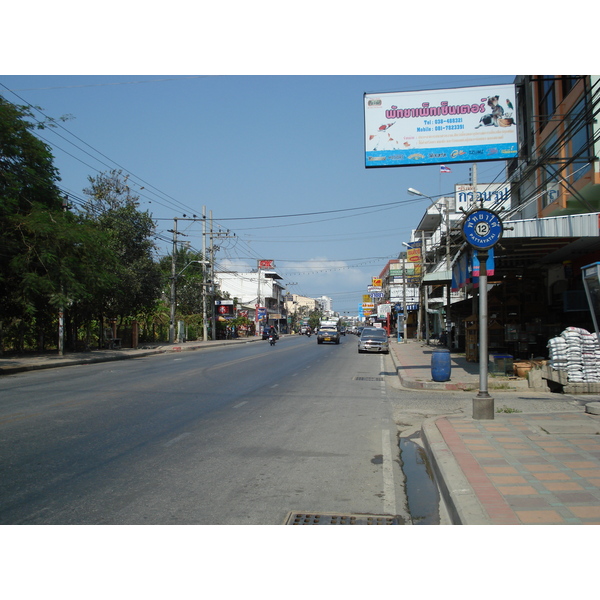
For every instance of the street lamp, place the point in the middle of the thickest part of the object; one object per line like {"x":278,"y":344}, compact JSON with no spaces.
{"x":446,"y":221}
{"x":404,"y":311}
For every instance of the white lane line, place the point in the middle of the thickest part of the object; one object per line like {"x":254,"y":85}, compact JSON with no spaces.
{"x":389,"y":489}
{"x":177,"y":439}
{"x":241,"y":404}
{"x":274,"y":386}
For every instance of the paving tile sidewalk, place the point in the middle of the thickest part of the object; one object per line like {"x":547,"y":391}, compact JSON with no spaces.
{"x":518,"y":469}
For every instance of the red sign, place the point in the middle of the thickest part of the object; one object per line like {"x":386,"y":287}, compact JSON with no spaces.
{"x":266,"y":264}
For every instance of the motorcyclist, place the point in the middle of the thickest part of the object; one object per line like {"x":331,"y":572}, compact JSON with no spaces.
{"x":273,"y":332}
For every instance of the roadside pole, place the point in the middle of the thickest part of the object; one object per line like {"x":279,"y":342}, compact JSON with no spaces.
{"x":482,"y":230}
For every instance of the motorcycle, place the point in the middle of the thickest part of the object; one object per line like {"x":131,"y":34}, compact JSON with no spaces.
{"x":272,"y":340}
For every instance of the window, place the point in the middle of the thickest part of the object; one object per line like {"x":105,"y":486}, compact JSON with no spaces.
{"x":547,"y":98}
{"x":549,"y":172}
{"x":579,"y":142}
{"x":568,"y":83}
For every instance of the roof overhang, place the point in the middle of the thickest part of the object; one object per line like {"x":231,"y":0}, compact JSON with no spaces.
{"x":271,"y":275}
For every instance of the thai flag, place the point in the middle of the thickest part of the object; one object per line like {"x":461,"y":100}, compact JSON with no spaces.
{"x":445,"y":169}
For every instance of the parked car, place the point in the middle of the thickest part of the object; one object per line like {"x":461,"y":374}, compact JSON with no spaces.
{"x":328,"y":334}
{"x":373,"y":339}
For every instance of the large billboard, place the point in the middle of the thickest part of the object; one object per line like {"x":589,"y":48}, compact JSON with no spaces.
{"x":440,"y":126}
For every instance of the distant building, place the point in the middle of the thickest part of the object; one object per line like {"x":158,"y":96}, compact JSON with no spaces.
{"x":250,"y":291}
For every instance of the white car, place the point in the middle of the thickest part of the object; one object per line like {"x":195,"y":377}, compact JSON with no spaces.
{"x":373,"y":339}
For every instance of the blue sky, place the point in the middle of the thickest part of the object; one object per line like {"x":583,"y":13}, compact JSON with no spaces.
{"x":247,"y":147}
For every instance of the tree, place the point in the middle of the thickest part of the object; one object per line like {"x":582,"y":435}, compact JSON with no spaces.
{"x":188,"y":282}
{"x":112,"y":208}
{"x":32,"y":222}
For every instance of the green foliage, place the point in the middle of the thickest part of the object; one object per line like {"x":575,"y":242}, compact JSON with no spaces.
{"x":112,"y":209}
{"x":314,"y":319}
{"x":188,"y":283}
{"x":91,"y":264}
{"x":31,"y":222}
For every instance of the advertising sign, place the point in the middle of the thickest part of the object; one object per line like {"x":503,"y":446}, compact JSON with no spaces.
{"x":383,"y":310}
{"x":261,"y":313}
{"x":495,"y":196}
{"x":431,"y":127}
{"x":224,"y":309}
{"x":413,"y":253}
{"x":266,"y":264}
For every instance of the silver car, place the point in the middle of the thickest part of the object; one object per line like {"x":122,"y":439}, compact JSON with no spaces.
{"x":373,"y":339}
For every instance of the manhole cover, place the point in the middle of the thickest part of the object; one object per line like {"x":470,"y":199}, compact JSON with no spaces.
{"x":341,"y":519}
{"x":368,"y":378}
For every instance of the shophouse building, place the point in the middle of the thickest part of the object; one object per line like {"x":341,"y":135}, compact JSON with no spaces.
{"x":550,"y":208}
{"x":260,"y":293}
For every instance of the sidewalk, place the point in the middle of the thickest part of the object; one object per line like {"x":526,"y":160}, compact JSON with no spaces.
{"x":32,"y":362}
{"x":515,"y":469}
{"x":413,"y":361}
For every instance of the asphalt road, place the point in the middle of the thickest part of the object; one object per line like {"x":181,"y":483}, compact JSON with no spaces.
{"x":242,"y":435}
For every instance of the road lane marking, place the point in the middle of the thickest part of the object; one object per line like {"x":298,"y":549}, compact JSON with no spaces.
{"x":389,"y":489}
{"x":176,"y":439}
{"x":241,"y":404}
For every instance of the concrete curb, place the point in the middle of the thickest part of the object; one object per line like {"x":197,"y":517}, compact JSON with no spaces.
{"x":78,"y":359}
{"x":449,"y":386}
{"x":460,"y":498}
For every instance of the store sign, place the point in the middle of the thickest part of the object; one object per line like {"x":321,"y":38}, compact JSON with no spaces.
{"x":493,"y":196}
{"x":440,"y":126}
{"x":266,"y":264}
{"x":224,"y":309}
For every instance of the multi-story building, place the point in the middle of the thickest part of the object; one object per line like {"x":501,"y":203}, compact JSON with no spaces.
{"x":551,"y":226}
{"x":255,"y":291}
{"x":556,"y":172}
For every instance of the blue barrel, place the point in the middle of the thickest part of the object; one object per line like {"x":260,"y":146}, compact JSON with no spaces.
{"x":440,"y":364}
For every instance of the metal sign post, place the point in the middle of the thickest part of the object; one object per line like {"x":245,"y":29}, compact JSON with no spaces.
{"x":482,"y":230}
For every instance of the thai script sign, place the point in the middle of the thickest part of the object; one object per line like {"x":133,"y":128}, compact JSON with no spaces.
{"x":495,"y":196}
{"x":440,"y":126}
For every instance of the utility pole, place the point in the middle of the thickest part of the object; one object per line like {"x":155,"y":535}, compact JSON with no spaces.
{"x":61,"y":308}
{"x":404,"y":311}
{"x":449,"y":284}
{"x":173,"y":277}
{"x":204,"y":324}
{"x":212,"y":278}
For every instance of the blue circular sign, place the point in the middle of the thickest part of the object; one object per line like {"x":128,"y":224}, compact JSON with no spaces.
{"x":482,"y":229}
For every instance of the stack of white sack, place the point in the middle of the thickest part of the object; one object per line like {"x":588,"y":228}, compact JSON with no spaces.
{"x":558,"y":353}
{"x":577,"y":352}
{"x":590,"y":352}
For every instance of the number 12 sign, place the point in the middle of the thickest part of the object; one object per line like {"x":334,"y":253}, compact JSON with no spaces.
{"x":482,"y":229}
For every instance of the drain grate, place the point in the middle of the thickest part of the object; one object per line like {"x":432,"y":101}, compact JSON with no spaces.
{"x":368,"y":378}
{"x":340,"y":519}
